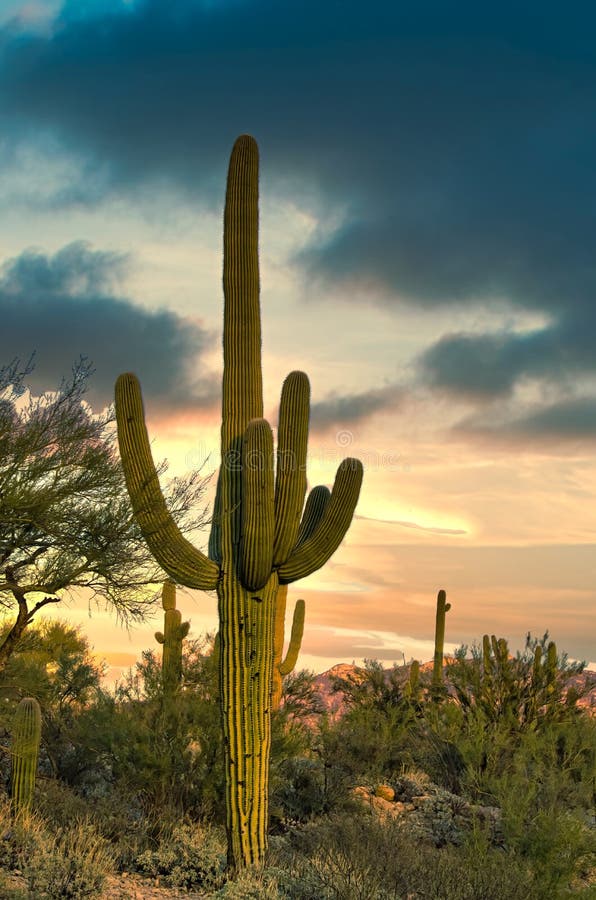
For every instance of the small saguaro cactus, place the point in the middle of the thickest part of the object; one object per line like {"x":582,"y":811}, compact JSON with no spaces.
{"x":26,"y":737}
{"x":486,"y":660}
{"x":261,"y":537}
{"x":551,"y":666}
{"x":285,"y":666}
{"x":412,"y":685}
{"x":442,"y":608}
{"x":174,"y":632}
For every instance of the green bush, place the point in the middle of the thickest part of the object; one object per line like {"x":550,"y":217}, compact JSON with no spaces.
{"x":186,"y":856}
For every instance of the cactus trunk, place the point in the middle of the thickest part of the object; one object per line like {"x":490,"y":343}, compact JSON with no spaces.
{"x":26,"y":736}
{"x":245,"y":671}
{"x":259,"y":540}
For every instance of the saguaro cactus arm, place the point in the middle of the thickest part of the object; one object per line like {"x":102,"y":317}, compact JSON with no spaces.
{"x":331,"y":527}
{"x":174,"y":553}
{"x":315,"y":506}
{"x":285,"y":666}
{"x":291,"y":657}
{"x":290,"y":484}
{"x":256,"y":551}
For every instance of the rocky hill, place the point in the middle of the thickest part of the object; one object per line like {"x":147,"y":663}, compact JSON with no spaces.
{"x":334,"y":701}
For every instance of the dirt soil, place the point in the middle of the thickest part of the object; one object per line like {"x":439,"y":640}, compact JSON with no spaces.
{"x":131,"y":887}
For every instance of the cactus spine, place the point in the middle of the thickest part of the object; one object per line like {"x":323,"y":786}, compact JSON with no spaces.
{"x":174,"y":632}
{"x":26,"y":737}
{"x":258,"y":541}
{"x":442,"y":608}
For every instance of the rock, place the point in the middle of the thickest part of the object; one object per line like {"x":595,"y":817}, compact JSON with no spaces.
{"x":385,"y":791}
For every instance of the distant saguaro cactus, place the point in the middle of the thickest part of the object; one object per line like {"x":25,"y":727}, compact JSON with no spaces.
{"x":442,"y":608}
{"x":26,"y":737}
{"x":257,"y":540}
{"x":174,"y":632}
{"x":412,"y":685}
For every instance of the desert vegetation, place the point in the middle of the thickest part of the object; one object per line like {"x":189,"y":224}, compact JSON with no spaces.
{"x":392,"y":794}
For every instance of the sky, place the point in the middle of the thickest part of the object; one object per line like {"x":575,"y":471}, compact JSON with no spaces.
{"x":427,"y":220}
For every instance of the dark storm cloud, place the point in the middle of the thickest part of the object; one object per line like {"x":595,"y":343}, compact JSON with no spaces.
{"x":453,"y":143}
{"x":489,"y":365}
{"x":572,"y":419}
{"x":342,"y":410}
{"x":62,"y":307}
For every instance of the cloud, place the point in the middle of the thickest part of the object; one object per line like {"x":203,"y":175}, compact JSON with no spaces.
{"x":489,"y":368}
{"x":490,"y":364}
{"x":434,"y":529}
{"x":340,"y":410}
{"x":573,"y":419}
{"x":446,"y":153}
{"x":455,"y":146}
{"x":64,"y":306}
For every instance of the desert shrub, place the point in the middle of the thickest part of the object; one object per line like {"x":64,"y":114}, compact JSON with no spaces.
{"x":358,"y":858}
{"x":55,"y":863}
{"x":70,"y":865}
{"x":546,"y":799}
{"x":116,"y":817}
{"x":252,"y":885}
{"x":186,"y":856}
{"x":298,"y":791}
{"x":366,"y":743}
{"x":160,"y":758}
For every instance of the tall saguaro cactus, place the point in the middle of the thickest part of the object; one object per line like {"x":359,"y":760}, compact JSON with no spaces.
{"x":174,"y":632}
{"x":26,"y":736}
{"x":259,"y":540}
{"x":442,"y":608}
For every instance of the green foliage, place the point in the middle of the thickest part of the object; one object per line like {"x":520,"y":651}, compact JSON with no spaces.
{"x":54,"y":663}
{"x":66,"y":518}
{"x":68,"y":866}
{"x":186,"y":856}
{"x":506,"y":738}
{"x":171,"y":762}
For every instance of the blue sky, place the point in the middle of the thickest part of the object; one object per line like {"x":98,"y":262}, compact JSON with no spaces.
{"x":427,"y":220}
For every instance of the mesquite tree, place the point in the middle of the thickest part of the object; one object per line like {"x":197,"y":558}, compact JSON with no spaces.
{"x":66,"y":520}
